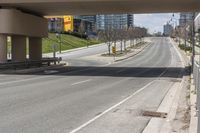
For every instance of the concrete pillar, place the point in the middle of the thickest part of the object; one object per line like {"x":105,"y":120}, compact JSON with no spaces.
{"x":35,"y":48}
{"x":18,"y":48}
{"x":3,"y":48}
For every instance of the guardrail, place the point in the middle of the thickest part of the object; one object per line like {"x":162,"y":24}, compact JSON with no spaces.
{"x":196,"y":76}
{"x":30,"y":63}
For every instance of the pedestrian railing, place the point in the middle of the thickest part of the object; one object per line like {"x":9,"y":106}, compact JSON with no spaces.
{"x":196,"y":76}
{"x":30,"y":63}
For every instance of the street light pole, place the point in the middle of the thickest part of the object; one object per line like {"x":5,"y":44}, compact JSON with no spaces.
{"x":174,"y":20}
{"x":193,"y":40}
{"x":185,"y":32}
{"x":58,"y":35}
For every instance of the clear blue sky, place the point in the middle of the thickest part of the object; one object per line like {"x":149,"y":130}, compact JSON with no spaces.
{"x":153,"y":22}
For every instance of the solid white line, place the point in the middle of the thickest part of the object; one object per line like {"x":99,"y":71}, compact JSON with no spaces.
{"x":81,"y":82}
{"x":111,"y":108}
{"x":21,"y":80}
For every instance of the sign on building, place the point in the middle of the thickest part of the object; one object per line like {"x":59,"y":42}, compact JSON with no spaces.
{"x":68,"y":23}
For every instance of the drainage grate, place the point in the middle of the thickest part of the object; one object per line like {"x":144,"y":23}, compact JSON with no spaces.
{"x":155,"y":114}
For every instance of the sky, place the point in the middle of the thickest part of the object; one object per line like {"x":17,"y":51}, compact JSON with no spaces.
{"x":154,"y":22}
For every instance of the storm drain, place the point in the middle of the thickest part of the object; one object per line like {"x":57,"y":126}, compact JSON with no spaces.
{"x":155,"y":114}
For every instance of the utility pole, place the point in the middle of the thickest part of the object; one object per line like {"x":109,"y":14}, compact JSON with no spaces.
{"x":193,"y":40}
{"x":185,"y":32}
{"x":58,"y":35}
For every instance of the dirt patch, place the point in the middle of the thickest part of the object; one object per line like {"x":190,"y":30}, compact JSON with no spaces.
{"x":182,"y":120}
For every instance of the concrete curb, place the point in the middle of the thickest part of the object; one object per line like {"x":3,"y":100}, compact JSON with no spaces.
{"x":35,"y":70}
{"x":193,"y":102}
{"x":131,"y":55}
{"x":193,"y":106}
{"x":168,"y":105}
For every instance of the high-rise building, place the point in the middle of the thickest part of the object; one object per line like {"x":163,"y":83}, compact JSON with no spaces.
{"x":100,"y":22}
{"x":90,"y":18}
{"x":168,"y":29}
{"x":115,"y":21}
{"x":197,"y":23}
{"x":185,"y":19}
{"x":130,"y":19}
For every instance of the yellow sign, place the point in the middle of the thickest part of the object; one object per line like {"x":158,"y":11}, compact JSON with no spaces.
{"x":68,"y":23}
{"x":114,"y":50}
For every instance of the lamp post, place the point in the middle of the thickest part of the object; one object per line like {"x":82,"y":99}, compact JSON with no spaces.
{"x":58,"y":35}
{"x":193,"y":40}
{"x":174,"y":20}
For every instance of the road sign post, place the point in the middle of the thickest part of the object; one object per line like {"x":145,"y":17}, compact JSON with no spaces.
{"x":54,"y":47}
{"x":114,"y":51}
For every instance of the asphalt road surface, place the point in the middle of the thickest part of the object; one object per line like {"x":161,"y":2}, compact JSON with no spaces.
{"x":62,"y":102}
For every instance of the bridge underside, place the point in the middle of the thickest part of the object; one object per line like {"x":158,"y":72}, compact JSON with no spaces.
{"x":62,"y":7}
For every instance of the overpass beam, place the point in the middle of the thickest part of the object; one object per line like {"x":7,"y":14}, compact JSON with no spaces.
{"x":18,"y":48}
{"x":3,"y":48}
{"x":35,"y":48}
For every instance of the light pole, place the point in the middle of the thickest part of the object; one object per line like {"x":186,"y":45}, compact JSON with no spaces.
{"x":58,"y":35}
{"x":193,"y":40}
{"x":174,"y":20}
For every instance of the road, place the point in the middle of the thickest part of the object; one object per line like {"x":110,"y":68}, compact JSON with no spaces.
{"x":64,"y":101}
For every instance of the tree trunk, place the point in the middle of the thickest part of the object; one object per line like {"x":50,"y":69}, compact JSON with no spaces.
{"x":109,"y":50}
{"x":121,"y":46}
{"x":124,"y":45}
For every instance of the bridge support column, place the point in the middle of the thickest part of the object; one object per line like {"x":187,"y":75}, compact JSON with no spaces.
{"x":35,"y":48}
{"x":18,"y":48}
{"x":19,"y":25}
{"x":3,"y":48}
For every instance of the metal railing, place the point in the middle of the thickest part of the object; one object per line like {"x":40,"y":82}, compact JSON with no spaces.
{"x":196,"y":76}
{"x":30,"y":63}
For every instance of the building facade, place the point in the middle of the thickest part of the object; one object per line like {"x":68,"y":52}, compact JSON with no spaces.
{"x":185,"y":19}
{"x":68,"y":24}
{"x":168,"y":29}
{"x":197,"y":23}
{"x":89,"y":18}
{"x":130,"y":20}
{"x":115,"y":21}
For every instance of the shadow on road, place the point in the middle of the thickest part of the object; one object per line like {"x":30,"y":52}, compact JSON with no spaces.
{"x":149,"y":72}
{"x":170,"y":72}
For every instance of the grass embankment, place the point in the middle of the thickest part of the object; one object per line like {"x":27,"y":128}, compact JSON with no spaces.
{"x":67,"y":42}
{"x":185,"y":48}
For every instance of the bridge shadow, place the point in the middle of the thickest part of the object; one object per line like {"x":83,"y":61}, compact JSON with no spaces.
{"x":149,"y":72}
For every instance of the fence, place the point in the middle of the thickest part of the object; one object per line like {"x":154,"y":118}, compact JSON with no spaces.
{"x":196,"y":74}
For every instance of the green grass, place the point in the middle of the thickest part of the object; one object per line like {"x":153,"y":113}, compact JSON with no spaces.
{"x":187,"y":48}
{"x":67,"y":42}
{"x":198,"y":46}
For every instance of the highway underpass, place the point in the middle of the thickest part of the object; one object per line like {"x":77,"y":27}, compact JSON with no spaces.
{"x":22,"y":18}
{"x":64,"y":101}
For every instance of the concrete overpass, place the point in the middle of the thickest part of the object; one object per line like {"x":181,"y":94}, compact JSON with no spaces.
{"x":24,"y":18}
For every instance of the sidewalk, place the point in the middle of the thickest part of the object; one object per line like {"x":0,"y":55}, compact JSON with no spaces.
{"x":192,"y":97}
{"x":173,"y":102}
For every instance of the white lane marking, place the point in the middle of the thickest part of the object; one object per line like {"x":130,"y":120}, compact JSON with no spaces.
{"x":22,"y":80}
{"x":111,"y":108}
{"x":84,"y":81}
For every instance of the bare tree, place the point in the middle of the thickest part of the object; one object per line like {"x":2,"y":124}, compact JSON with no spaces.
{"x":107,"y":37}
{"x":121,"y":37}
